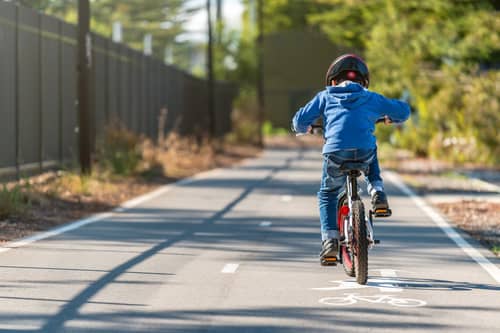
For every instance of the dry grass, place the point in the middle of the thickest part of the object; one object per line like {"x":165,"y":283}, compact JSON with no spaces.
{"x":181,"y":156}
{"x":13,"y":200}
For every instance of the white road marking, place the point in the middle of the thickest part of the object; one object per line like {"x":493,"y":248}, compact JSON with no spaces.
{"x":230,"y":268}
{"x":286,"y":198}
{"x":265,"y":224}
{"x":384,"y":285}
{"x":350,"y":299}
{"x":487,"y":265}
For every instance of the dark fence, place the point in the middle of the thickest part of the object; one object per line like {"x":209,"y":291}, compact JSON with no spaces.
{"x":38,"y":101}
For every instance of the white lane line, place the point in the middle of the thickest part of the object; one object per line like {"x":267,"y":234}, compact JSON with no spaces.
{"x":487,"y":265}
{"x":265,"y":224}
{"x":286,"y":198}
{"x":230,"y":268}
{"x":102,"y":216}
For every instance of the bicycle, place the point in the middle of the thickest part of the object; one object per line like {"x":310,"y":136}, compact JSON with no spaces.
{"x":355,"y":230}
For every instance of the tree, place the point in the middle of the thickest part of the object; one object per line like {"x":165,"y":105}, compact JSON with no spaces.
{"x":164,"y":19}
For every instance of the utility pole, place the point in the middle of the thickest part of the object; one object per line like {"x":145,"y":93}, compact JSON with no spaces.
{"x":260,"y":68}
{"x":84,"y":74}
{"x":210,"y":74}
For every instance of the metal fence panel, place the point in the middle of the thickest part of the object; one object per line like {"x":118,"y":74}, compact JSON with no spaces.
{"x":100,"y":84}
{"x":143,"y":97}
{"x":174,"y":98}
{"x":113,"y":79}
{"x":123,"y":86}
{"x":7,"y":85}
{"x":151,"y":96}
{"x":50,"y":88}
{"x":135,"y":91}
{"x":38,"y":100}
{"x":68,"y":88}
{"x":29,"y":86}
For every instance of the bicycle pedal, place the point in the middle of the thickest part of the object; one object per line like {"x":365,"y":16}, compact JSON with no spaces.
{"x":329,"y":261}
{"x":382,"y":213}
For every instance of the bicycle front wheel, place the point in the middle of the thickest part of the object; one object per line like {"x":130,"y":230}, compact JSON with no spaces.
{"x":345,"y":251}
{"x":360,"y":242}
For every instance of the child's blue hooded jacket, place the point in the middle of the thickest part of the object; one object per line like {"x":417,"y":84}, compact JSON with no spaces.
{"x":349,"y":114}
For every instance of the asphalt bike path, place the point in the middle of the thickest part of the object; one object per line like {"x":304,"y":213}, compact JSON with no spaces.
{"x":236,"y":250}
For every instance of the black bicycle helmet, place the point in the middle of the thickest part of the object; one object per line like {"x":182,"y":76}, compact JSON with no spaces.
{"x":348,"y":67}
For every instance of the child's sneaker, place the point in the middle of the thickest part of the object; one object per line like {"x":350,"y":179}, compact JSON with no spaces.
{"x":379,"y":201}
{"x":330,"y":249}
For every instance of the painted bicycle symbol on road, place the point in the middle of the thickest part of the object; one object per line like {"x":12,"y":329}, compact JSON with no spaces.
{"x":388,"y":284}
{"x":349,"y":299}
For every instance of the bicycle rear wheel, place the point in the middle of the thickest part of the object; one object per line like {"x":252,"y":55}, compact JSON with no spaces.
{"x":360,"y":242}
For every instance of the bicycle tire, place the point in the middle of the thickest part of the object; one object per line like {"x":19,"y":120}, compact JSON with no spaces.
{"x":345,"y":252}
{"x":360,"y":242}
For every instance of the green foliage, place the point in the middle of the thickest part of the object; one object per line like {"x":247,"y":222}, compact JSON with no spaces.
{"x":269,"y":130}
{"x":13,"y":201}
{"x":119,"y":152}
{"x":432,"y":49}
{"x":245,"y":122}
{"x":164,"y":19}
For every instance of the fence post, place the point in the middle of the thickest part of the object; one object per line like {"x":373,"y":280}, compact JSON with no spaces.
{"x":162,"y":119}
{"x":84,"y":67}
{"x":16,"y":89}
{"x":60,"y":101}
{"x":40,"y":94}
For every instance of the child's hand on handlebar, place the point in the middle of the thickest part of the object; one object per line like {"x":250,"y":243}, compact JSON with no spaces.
{"x":386,"y":120}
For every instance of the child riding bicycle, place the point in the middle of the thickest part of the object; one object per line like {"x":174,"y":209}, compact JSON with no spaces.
{"x":349,"y":112}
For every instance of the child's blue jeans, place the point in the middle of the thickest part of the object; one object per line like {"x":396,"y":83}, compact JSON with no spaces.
{"x":333,"y":180}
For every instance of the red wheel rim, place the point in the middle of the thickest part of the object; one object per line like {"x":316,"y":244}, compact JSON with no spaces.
{"x":346,"y":257}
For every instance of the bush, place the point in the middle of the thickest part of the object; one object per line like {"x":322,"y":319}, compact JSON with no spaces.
{"x":458,"y":121}
{"x":12,"y":201}
{"x":245,"y":120}
{"x":119,"y":152}
{"x":482,"y":114}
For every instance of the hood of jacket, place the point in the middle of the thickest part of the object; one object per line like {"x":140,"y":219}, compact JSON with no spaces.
{"x":348,"y":94}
